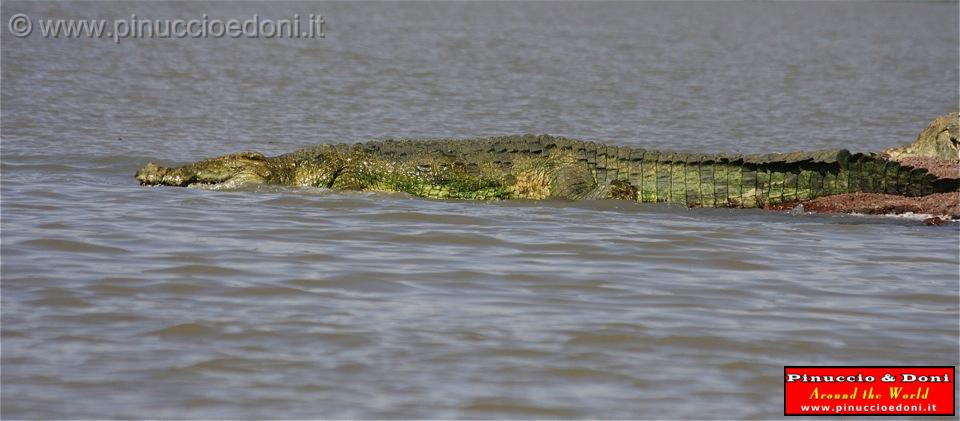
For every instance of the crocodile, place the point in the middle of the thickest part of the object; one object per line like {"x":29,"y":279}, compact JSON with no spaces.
{"x":548,"y":167}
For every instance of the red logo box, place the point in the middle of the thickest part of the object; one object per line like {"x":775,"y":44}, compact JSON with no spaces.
{"x":869,"y":390}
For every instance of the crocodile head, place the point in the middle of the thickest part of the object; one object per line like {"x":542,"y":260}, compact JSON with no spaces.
{"x":225,"y":171}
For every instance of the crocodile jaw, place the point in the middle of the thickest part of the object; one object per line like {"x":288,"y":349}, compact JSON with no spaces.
{"x":155,"y":175}
{"x":228,"y":171}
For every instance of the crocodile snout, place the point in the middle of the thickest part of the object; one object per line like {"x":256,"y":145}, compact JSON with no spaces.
{"x":155,"y":175}
{"x":150,"y":175}
{"x":227,"y":171}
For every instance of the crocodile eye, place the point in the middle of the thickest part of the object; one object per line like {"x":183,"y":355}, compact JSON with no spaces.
{"x":257,"y":156}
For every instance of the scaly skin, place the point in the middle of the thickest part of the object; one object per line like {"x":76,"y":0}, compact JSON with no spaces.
{"x":546,"y":167}
{"x":941,"y":139}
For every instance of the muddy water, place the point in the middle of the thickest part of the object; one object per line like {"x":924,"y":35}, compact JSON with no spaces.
{"x":130,"y":302}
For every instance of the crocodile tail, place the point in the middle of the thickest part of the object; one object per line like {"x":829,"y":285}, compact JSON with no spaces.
{"x":872,"y":173}
{"x":719,"y":180}
{"x":946,"y":185}
{"x":724,"y":180}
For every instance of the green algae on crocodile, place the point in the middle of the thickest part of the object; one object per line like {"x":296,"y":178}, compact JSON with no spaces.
{"x":547,"y":167}
{"x":941,"y":140}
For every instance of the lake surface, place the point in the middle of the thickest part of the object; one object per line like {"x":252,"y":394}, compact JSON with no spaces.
{"x":121,"y":301}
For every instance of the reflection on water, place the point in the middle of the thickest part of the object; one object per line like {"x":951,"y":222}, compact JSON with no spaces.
{"x":126,"y":302}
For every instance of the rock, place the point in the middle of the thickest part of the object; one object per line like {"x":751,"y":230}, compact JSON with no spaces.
{"x":941,"y":139}
{"x":940,"y":204}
